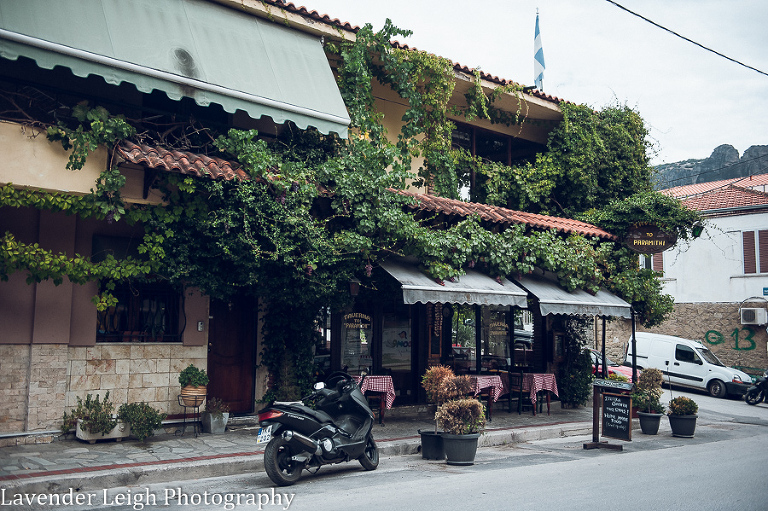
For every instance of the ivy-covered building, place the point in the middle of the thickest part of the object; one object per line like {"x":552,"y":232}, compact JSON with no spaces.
{"x":115,"y":185}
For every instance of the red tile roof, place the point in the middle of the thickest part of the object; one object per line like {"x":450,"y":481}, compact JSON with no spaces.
{"x":759,"y":181}
{"x":183,"y":162}
{"x":324,"y":18}
{"x":729,"y":197}
{"x":497,"y":214}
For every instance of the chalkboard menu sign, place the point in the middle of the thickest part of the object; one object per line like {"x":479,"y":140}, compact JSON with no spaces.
{"x":617,"y":417}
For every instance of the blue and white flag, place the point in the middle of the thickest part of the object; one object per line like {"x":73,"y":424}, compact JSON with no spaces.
{"x":538,"y":58}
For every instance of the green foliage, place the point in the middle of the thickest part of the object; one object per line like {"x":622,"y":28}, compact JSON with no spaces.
{"x":193,"y":376}
{"x":143,"y":418}
{"x":682,"y":405}
{"x":574,"y":379}
{"x":647,"y":394}
{"x":97,"y":415}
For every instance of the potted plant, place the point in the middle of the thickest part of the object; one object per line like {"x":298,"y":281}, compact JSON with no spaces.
{"x":462,"y":420}
{"x":94,"y":419}
{"x":194,"y":383}
{"x":142,"y":418}
{"x":682,"y":416}
{"x":647,"y":399}
{"x":431,"y":381}
{"x":215,"y":416}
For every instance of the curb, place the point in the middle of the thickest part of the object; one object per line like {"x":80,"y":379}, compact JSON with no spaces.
{"x":133,"y":474}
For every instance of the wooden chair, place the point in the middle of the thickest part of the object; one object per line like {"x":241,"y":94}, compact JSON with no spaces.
{"x":516,"y":385}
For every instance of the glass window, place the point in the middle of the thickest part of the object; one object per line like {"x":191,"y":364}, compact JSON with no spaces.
{"x":685,"y":354}
{"x":145,"y":312}
{"x":356,"y":337}
{"x":495,"y":338}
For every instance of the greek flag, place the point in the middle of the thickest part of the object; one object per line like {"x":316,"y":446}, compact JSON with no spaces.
{"x":538,"y":58}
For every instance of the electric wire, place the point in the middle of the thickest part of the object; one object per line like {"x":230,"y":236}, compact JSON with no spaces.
{"x":687,"y":39}
{"x":731,"y":166}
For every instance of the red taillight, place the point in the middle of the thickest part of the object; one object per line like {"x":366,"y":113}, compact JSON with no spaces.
{"x":269,"y":414}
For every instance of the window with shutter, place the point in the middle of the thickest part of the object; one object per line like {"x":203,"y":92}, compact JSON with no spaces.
{"x":762,"y":250}
{"x":658,"y":262}
{"x":748,"y":240}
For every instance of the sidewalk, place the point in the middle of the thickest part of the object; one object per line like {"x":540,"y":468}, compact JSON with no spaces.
{"x":70,"y":463}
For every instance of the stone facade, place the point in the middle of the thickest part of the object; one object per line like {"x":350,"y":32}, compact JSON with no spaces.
{"x":717,"y":325}
{"x":42,"y":381}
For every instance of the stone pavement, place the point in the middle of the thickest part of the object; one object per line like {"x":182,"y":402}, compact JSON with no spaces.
{"x":70,"y":463}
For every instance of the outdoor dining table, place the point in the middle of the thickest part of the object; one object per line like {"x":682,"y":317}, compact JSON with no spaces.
{"x":539,"y":382}
{"x":490,"y":384}
{"x":382,"y":386}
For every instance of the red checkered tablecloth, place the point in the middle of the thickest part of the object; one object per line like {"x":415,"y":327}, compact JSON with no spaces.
{"x":539,"y":381}
{"x":377,"y":383}
{"x":488,"y":382}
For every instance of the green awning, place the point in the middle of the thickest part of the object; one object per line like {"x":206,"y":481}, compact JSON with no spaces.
{"x":193,"y":48}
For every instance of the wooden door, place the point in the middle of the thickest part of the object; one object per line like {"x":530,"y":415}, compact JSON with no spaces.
{"x":232,"y":352}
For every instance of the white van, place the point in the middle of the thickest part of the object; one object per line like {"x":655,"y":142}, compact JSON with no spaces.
{"x":687,"y":363}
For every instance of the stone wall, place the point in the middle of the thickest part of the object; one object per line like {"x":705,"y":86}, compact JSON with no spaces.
{"x":40,"y":382}
{"x":717,"y":325}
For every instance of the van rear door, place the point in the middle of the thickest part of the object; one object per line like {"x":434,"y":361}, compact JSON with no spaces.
{"x":687,"y":368}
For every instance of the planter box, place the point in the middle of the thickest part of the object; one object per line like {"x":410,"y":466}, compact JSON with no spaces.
{"x":120,"y":431}
{"x":214,"y":425}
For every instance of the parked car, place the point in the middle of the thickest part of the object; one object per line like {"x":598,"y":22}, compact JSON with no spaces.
{"x":613,"y":367}
{"x":688,"y":363}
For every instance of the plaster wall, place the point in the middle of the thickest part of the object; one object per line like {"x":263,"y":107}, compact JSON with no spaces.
{"x":711,"y":268}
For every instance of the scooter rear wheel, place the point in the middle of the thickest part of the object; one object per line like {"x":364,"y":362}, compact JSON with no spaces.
{"x":753,"y":398}
{"x":370,"y":459}
{"x":278,"y":463}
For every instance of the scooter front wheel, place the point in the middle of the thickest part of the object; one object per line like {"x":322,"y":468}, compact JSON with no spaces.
{"x":754,"y":397}
{"x":278,"y":463}
{"x":370,"y":459}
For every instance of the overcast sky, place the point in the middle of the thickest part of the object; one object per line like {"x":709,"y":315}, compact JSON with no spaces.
{"x":598,"y":54}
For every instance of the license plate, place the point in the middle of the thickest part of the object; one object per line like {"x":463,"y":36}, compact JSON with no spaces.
{"x":265,"y":435}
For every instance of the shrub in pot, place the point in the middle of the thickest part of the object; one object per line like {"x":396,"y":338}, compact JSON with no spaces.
{"x":194,"y":382}
{"x":94,"y":419}
{"x":682,"y":416}
{"x":431,"y":381}
{"x":462,"y":420}
{"x":215,"y":416}
{"x":647,"y":399}
{"x":143,"y":418}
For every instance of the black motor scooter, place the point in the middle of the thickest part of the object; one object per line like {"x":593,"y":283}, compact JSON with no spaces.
{"x":759,"y":391}
{"x":337,"y":430}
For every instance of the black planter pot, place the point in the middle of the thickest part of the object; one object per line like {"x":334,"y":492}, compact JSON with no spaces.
{"x":649,"y":422}
{"x":460,"y":449}
{"x":432,"y":445}
{"x":683,"y":425}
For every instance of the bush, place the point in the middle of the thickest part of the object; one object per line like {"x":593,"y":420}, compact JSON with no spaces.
{"x":193,"y":376}
{"x":461,"y":416}
{"x":682,"y":405}
{"x":97,"y":415}
{"x":216,"y":407}
{"x":647,"y":395}
{"x":433,"y":379}
{"x":143,"y":418}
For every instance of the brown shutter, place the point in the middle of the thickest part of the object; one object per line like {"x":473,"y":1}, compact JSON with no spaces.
{"x":763,"y":250}
{"x":750,"y":265}
{"x":658,"y":262}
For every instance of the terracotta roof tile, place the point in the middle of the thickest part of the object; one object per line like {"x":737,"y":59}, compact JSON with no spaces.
{"x":501,"y":215}
{"x":727,"y":198}
{"x":183,"y":162}
{"x":759,"y":181}
{"x":344,"y":25}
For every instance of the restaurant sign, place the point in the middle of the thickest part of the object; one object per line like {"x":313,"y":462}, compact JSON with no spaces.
{"x":648,"y":238}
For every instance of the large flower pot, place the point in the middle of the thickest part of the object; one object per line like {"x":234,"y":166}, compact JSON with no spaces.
{"x":460,"y":449}
{"x":432,"y":445}
{"x":215,"y":424}
{"x":193,"y":396}
{"x":120,"y":431}
{"x":649,"y":422}
{"x":683,"y":425}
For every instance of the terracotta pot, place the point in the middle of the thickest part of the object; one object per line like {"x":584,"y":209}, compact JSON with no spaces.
{"x":193,"y":396}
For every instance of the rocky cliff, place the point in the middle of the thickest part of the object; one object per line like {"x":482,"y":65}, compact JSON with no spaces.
{"x":723,"y":163}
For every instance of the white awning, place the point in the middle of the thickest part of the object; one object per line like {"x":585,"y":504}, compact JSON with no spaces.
{"x":472,"y":288}
{"x":555,"y":300}
{"x":185,"y":48}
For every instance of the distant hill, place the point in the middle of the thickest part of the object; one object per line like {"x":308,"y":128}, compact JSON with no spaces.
{"x":724,"y":163}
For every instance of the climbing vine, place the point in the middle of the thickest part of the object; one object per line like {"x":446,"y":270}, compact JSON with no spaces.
{"x":317,"y":210}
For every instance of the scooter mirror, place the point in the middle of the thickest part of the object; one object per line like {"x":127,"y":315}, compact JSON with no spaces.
{"x":319,"y":385}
